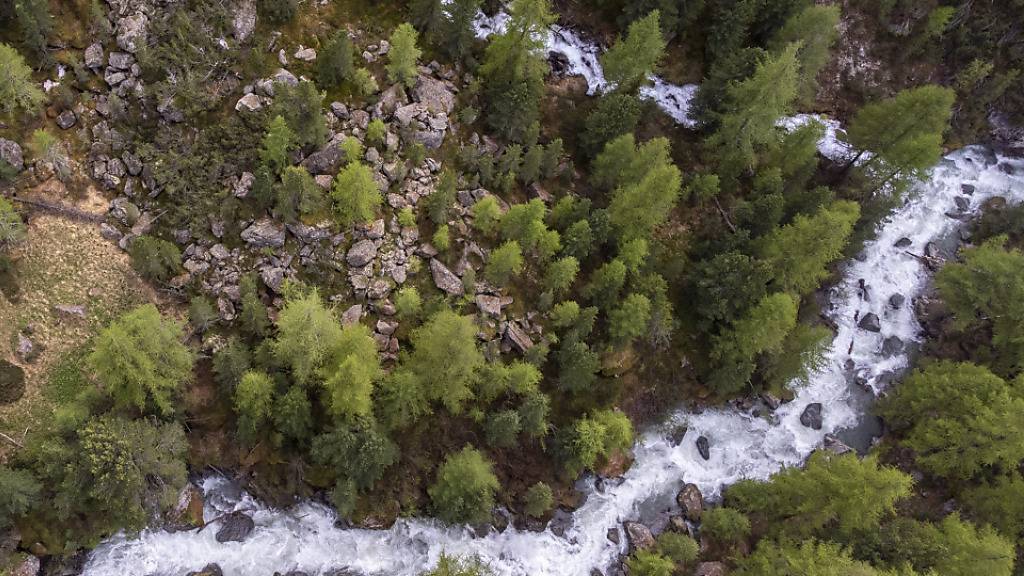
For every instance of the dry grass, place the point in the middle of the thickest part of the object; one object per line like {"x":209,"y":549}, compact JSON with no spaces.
{"x":62,"y":262}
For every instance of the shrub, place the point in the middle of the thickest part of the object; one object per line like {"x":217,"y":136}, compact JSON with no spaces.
{"x":155,"y":259}
{"x":505,"y":261}
{"x":538,"y":500}
{"x":464,"y":488}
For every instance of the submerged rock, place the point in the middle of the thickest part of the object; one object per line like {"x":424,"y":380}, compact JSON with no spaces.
{"x":211,"y":569}
{"x":835,"y":445}
{"x":811,"y":416}
{"x":896,"y":300}
{"x":892,"y":346}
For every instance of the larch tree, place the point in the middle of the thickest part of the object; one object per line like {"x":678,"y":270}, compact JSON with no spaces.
{"x":798,"y":254}
{"x":753,"y":106}
{"x":334,"y":64}
{"x":351,"y":372}
{"x":464,"y":488}
{"x":513,"y":70}
{"x":631,"y":60}
{"x":403,"y":56}
{"x":815,"y":29}
{"x":356,"y":195}
{"x":903,"y":132}
{"x":17,"y":89}
{"x":307,"y":336}
{"x":445,"y":357}
{"x":141,"y":361}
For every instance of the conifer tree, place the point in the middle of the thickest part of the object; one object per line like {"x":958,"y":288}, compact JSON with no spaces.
{"x":17,"y":89}
{"x":334,"y":63}
{"x":403,"y":56}
{"x":631,"y":60}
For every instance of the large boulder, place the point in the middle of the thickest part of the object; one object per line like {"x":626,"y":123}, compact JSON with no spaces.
{"x":640,"y":536}
{"x":434,"y":93}
{"x":518,"y":338}
{"x":327,"y":160}
{"x":94,"y":55}
{"x":10,"y":152}
{"x":235,"y":527}
{"x":811,"y":416}
{"x":264,"y":233}
{"x":131,"y":32}
{"x":691,"y":501}
{"x":208,"y":570}
{"x":361,"y":253}
{"x":244,"y":22}
{"x":445,"y":279}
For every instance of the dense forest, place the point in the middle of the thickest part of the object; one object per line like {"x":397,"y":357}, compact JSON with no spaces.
{"x":359,"y":252}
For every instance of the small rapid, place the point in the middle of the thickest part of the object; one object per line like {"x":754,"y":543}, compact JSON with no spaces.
{"x":742,"y":445}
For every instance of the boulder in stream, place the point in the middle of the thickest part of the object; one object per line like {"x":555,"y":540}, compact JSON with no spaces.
{"x":235,"y":527}
{"x":892,"y":346}
{"x":903,"y":242}
{"x":870,"y":322}
{"x":640,"y":536}
{"x":704,"y":447}
{"x":691,"y":501}
{"x":896,"y":301}
{"x":208,"y":570}
{"x":811,"y":416}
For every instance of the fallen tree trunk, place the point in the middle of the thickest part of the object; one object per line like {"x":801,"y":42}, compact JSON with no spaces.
{"x":61,"y":209}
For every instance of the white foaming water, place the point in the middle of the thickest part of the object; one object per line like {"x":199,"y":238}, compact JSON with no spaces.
{"x":584,"y":60}
{"x":742,"y":446}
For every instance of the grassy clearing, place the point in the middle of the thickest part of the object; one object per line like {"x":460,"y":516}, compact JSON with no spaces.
{"x":62,"y":262}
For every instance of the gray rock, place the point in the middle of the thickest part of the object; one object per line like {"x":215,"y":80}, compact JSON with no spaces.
{"x":361,"y":253}
{"x":73,"y":311}
{"x":434,"y":93}
{"x":131,"y":32}
{"x":352,"y":315}
{"x":273,"y":277}
{"x":339,"y":110}
{"x":306,"y":55}
{"x":120,"y":60}
{"x":962,"y":203}
{"x":264,"y":233}
{"x":428,"y":138}
{"x":445,"y":279}
{"x":208,"y":570}
{"x":613,"y":535}
{"x":386,"y":328}
{"x":310,"y":234}
{"x":94,"y":56}
{"x":640,"y":536}
{"x":811,"y":416}
{"x":26,"y":349}
{"x":66,"y":120}
{"x":870,"y":322}
{"x":691,"y":501}
{"x":248,"y":103}
{"x":711,"y":569}
{"x":327,"y":160}
{"x":835,"y":445}
{"x":406,"y":114}
{"x":132,"y":163}
{"x":903,"y":242}
{"x":110,"y":233}
{"x":704,"y":447}
{"x":244,"y":22}
{"x":236,"y":527}
{"x":518,"y":337}
{"x":10,"y":152}
{"x":896,"y":300}
{"x":490,"y":305}
{"x":285,"y":77}
{"x":244,"y":185}
{"x":967,"y":189}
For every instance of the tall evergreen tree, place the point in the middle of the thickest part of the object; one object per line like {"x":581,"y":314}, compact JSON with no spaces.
{"x":630,"y":61}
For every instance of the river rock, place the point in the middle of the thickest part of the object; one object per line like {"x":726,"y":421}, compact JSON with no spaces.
{"x":903,"y":242}
{"x":640,"y":537}
{"x":931,"y":250}
{"x":870,"y":322}
{"x":208,"y":570}
{"x":704,"y":447}
{"x":967,"y":189}
{"x":892,"y":346}
{"x":10,"y":152}
{"x":264,"y":233}
{"x":445,"y":279}
{"x":613,"y":536}
{"x":896,"y":301}
{"x":691,"y":501}
{"x":835,"y":445}
{"x":711,"y":569}
{"x":962,"y":203}
{"x":236,"y":527}
{"x":811,"y":416}
{"x":361,"y":253}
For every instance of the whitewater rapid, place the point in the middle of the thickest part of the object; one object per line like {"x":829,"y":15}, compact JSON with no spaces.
{"x":741,"y":445}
